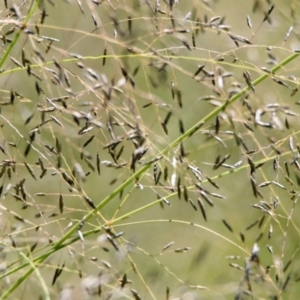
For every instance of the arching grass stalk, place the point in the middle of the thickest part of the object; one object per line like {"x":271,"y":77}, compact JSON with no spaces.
{"x":127,"y":215}
{"x":40,"y":278}
{"x":60,"y":243}
{"x":174,"y":144}
{"x":142,"y":208}
{"x":32,"y":10}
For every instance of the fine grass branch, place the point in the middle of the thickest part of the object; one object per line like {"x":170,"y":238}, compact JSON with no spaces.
{"x":175,"y":143}
{"x":60,"y":244}
{"x":35,"y":5}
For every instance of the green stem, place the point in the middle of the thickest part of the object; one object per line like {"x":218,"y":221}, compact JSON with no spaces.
{"x":173,"y":145}
{"x":142,"y":208}
{"x":42,"y":281}
{"x":60,"y":243}
{"x":17,"y":36}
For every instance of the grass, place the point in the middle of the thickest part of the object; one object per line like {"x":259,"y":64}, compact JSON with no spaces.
{"x":149,"y":153}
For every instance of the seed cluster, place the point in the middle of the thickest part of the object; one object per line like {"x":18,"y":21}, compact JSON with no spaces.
{"x":145,"y":143}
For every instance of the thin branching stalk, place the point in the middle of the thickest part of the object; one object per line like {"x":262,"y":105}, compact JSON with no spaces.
{"x":61,"y":243}
{"x":35,"y":5}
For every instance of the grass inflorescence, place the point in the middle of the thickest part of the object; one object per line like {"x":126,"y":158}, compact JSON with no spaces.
{"x":149,"y":150}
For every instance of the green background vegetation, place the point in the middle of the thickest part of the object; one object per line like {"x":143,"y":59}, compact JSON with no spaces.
{"x":207,"y":259}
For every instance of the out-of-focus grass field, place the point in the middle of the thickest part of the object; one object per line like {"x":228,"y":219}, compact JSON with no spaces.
{"x":208,"y":259}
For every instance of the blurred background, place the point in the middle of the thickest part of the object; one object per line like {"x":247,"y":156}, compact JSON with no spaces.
{"x":94,"y":90}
